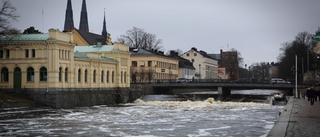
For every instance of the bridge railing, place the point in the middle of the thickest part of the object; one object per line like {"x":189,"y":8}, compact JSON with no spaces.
{"x":159,"y":81}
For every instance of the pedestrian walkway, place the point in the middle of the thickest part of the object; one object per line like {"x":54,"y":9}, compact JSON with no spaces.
{"x":299,"y":119}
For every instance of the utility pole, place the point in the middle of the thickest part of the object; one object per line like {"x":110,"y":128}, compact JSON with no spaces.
{"x":296,"y":89}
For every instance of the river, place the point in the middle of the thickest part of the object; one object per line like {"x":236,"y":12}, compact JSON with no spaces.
{"x":144,"y":119}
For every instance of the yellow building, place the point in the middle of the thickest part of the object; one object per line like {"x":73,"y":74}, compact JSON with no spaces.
{"x":150,"y":66}
{"x":24,"y":63}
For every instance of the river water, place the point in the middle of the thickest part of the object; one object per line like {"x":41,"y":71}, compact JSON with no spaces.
{"x":144,"y":119}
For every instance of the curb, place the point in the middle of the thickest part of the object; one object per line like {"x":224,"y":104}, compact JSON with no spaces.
{"x":280,"y":127}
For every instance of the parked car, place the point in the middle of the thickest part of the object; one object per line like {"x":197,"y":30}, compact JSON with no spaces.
{"x":182,"y":80}
{"x":279,"y":81}
{"x":241,"y":80}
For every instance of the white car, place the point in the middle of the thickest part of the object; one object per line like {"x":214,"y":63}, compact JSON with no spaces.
{"x":279,"y":81}
{"x":182,"y":80}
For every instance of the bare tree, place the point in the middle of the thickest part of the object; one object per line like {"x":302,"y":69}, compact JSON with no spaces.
{"x":138,"y":38}
{"x":300,"y":47}
{"x":151,"y":74}
{"x":142,"y":74}
{"x":7,"y":14}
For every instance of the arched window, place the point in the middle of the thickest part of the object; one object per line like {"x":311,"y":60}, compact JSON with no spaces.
{"x":4,"y":75}
{"x":112,"y":76}
{"x":125,"y":77}
{"x":107,"y":76}
{"x":94,"y":76}
{"x":79,"y":75}
{"x":121,"y":76}
{"x":60,"y":74}
{"x":43,"y":74}
{"x":66,"y":75}
{"x":102,"y":76}
{"x":86,"y":75}
{"x":30,"y":74}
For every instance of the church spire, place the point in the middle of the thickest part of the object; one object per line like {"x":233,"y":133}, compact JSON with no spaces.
{"x":104,"y":29}
{"x":68,"y":23}
{"x":84,"y":18}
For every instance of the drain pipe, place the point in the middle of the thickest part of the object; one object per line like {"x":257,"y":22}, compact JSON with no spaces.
{"x":44,"y":42}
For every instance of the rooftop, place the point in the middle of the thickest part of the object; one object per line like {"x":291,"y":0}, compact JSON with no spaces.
{"x":94,"y":48}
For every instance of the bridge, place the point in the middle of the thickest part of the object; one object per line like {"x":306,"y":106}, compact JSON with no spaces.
{"x":222,"y":88}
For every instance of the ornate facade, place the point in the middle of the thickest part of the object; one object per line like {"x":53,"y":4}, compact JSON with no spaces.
{"x":50,"y":61}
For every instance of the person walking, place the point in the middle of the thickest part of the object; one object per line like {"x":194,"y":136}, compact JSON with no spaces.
{"x":315,"y":95}
{"x":310,"y":95}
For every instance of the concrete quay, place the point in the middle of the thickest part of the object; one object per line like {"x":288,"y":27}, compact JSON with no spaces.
{"x":299,"y":119}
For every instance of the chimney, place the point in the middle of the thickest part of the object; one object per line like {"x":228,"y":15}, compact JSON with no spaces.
{"x":172,"y":53}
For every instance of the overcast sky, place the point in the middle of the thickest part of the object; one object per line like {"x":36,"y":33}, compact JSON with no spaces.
{"x":256,"y":28}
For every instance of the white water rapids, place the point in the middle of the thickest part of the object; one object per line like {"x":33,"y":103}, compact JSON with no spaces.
{"x":144,"y":119}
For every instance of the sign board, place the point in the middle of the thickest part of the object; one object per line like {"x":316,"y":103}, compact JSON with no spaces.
{"x":170,"y":72}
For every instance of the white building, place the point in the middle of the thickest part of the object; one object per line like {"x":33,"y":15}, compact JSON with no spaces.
{"x":206,"y":66}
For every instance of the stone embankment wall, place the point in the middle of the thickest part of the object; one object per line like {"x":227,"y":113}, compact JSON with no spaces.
{"x":73,"y":97}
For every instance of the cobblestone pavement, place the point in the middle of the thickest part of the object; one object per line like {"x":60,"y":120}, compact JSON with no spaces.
{"x":304,"y":119}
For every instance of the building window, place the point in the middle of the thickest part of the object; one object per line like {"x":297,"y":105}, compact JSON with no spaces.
{"x":65,"y":54}
{"x":141,"y":63}
{"x":121,"y":76}
{"x":66,"y":75}
{"x":43,"y":74}
{"x":112,"y":76}
{"x":86,"y":76}
{"x":4,"y":75}
{"x":149,"y":63}
{"x":134,"y":63}
{"x":125,"y":77}
{"x":27,"y":53}
{"x":79,"y":75}
{"x":192,"y":60}
{"x":94,"y":76}
{"x":62,"y":54}
{"x":30,"y":74}
{"x":68,"y":54}
{"x":1,"y":53}
{"x":107,"y":76}
{"x":59,"y":53}
{"x":8,"y":54}
{"x":102,"y":76}
{"x":33,"y":53}
{"x":195,"y":54}
{"x":188,"y":54}
{"x":60,"y":74}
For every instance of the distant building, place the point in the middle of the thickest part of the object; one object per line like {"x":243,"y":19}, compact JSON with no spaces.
{"x":206,"y":66}
{"x":52,"y":61}
{"x":150,"y":66}
{"x":229,"y":61}
{"x":186,"y":69}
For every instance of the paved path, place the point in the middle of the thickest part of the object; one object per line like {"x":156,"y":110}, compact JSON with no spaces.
{"x":299,"y":119}
{"x":304,"y":119}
